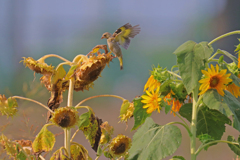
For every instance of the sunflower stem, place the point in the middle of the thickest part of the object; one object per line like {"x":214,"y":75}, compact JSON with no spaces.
{"x":67,"y":132}
{"x":224,"y":35}
{"x":209,"y":59}
{"x":52,"y":55}
{"x":74,"y":135}
{"x":185,"y":126}
{"x":28,"y":99}
{"x":212,"y":142}
{"x":193,"y":125}
{"x":105,"y":95}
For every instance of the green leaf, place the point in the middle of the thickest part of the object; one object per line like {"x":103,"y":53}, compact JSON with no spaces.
{"x":177,"y":158}
{"x":167,"y":108}
{"x":205,"y":138}
{"x":140,"y":114}
{"x":124,"y":107}
{"x":227,"y":105}
{"x":59,"y":74}
{"x":235,"y":148}
{"x":85,"y":119}
{"x":79,"y":152}
{"x":233,"y":58}
{"x":220,"y":60}
{"x":209,"y":121}
{"x":44,"y":141}
{"x":21,"y":156}
{"x":153,"y":141}
{"x":70,"y":72}
{"x":186,"y":111}
{"x":190,"y":59}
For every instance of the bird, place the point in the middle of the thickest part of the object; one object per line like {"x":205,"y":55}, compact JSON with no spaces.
{"x":121,"y":37}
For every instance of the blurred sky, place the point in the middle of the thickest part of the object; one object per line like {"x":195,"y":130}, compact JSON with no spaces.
{"x":31,"y":28}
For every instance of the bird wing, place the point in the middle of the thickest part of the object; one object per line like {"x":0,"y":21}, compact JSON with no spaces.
{"x":123,"y":34}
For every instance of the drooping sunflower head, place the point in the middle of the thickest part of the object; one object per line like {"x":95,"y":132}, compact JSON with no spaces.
{"x":37,"y":66}
{"x":120,"y":145}
{"x":65,"y":117}
{"x":214,"y":80}
{"x":152,"y":100}
{"x":90,"y":70}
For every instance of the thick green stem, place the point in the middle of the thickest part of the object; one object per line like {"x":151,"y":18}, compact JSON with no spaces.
{"x":67,"y":132}
{"x":212,"y":142}
{"x":193,"y":125}
{"x":224,"y":35}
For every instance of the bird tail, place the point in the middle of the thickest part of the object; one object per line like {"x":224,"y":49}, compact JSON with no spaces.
{"x":121,"y":62}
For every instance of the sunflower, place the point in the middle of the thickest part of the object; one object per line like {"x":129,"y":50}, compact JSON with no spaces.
{"x":151,"y":84}
{"x":152,"y":100}
{"x":234,"y":89}
{"x":120,"y":145}
{"x":214,"y":80}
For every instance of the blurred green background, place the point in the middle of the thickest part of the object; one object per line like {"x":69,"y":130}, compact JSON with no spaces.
{"x":68,"y":28}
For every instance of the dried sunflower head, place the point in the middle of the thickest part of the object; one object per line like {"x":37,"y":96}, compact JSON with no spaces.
{"x":38,"y":67}
{"x":65,"y":117}
{"x":120,"y":145}
{"x":90,"y":70}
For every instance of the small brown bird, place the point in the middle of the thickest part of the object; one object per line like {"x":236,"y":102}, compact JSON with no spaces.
{"x":121,"y":37}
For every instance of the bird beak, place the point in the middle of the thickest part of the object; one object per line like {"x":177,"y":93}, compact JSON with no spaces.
{"x":102,"y":37}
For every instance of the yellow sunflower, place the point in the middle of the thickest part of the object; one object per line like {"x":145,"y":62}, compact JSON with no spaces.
{"x":151,"y":84}
{"x":152,"y":100}
{"x":214,"y":80}
{"x":234,"y":89}
{"x":239,"y":59}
